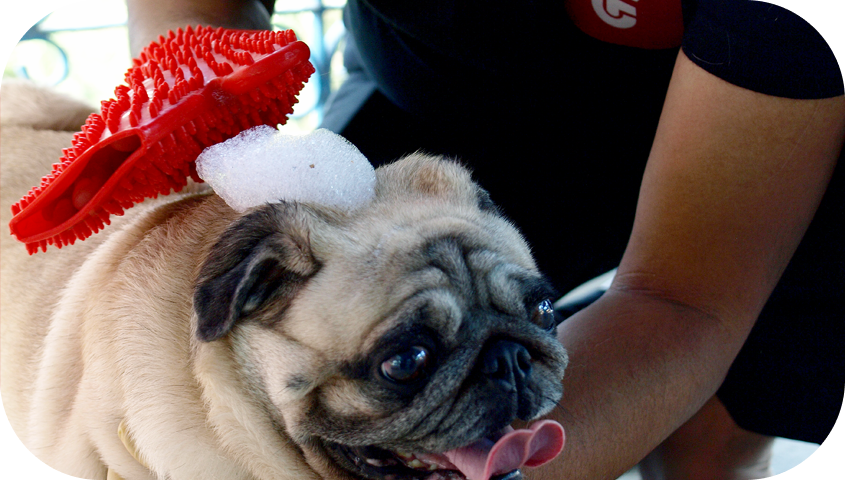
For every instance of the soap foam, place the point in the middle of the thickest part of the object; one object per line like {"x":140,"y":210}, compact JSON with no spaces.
{"x":262,"y":165}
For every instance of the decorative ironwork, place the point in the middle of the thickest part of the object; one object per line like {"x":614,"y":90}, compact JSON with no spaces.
{"x":25,"y":26}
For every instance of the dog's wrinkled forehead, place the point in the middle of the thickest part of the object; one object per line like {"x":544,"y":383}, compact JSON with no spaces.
{"x":424,"y":198}
{"x":452,"y":283}
{"x":431,"y":240}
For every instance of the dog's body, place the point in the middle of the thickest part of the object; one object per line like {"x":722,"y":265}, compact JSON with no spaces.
{"x":259,"y":345}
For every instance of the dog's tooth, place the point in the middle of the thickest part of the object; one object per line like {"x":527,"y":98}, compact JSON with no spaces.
{"x":376,"y":462}
{"x":416,"y":463}
{"x":404,"y":456}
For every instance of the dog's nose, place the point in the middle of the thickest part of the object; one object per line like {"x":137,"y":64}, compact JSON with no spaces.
{"x":506,"y":363}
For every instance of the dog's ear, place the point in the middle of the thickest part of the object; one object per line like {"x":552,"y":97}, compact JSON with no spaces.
{"x":264,"y":255}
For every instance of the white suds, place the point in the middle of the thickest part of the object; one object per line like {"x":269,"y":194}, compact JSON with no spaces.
{"x":262,"y":165}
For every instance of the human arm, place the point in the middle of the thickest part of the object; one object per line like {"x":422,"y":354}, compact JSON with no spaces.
{"x":150,"y":18}
{"x":731,"y":184}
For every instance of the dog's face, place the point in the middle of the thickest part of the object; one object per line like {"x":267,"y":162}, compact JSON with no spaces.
{"x":380,"y":339}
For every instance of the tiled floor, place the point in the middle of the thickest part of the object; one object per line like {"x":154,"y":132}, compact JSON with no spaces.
{"x":787,"y":454}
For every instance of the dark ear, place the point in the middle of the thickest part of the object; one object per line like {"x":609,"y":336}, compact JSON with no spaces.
{"x":265,"y":255}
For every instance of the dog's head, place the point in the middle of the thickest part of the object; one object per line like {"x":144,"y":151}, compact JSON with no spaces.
{"x":383,"y":339}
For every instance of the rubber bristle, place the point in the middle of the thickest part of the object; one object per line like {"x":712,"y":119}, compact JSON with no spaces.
{"x":190,"y":89}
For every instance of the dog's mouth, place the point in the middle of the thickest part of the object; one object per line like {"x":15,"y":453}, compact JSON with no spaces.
{"x":496,"y":458}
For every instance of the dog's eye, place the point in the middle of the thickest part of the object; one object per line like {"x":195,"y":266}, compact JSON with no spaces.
{"x":544,"y":315}
{"x":406,"y":366}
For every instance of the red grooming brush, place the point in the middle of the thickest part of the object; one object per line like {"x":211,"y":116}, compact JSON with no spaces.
{"x":185,"y":92}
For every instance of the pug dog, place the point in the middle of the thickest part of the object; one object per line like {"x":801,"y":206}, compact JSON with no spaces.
{"x":396,"y":341}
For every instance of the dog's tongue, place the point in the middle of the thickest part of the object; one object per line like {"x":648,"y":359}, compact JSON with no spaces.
{"x":529,"y":447}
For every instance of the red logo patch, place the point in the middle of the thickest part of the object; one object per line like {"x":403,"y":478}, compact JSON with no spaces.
{"x":636,"y":23}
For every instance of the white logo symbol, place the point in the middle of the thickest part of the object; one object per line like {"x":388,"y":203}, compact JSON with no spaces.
{"x":616,"y":13}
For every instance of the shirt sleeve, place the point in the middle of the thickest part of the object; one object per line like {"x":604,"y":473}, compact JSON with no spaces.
{"x":761,"y":47}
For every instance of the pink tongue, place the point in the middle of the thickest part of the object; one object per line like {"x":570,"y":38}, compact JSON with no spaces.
{"x":530,"y":447}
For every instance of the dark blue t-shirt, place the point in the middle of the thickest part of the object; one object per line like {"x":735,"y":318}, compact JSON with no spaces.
{"x":440,"y":56}
{"x":761,"y":47}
